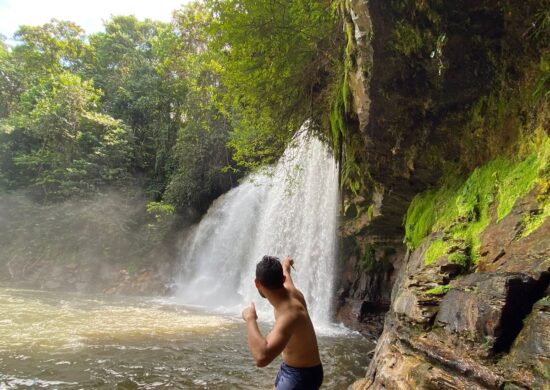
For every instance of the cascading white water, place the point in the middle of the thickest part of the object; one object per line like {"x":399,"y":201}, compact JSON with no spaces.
{"x":291,"y":210}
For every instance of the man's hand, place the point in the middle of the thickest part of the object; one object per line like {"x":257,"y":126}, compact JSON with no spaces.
{"x":287,"y":263}
{"x":249,"y":313}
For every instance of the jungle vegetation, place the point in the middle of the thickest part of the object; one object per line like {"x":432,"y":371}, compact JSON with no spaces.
{"x":182,"y":109}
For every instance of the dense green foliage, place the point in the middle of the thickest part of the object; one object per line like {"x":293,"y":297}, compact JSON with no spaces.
{"x":439,"y":290}
{"x":69,"y":147}
{"x":156,"y":118}
{"x":124,"y":65}
{"x":181,"y":109}
{"x":83,"y":115}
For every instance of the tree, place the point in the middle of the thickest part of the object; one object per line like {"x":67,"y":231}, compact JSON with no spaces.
{"x":172,"y":105}
{"x":9,"y":80}
{"x":200,"y":156}
{"x":59,"y":144}
{"x":203,"y":165}
{"x":128,"y":65}
{"x":51,"y":48}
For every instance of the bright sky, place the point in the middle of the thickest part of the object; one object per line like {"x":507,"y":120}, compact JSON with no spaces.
{"x":88,"y":14}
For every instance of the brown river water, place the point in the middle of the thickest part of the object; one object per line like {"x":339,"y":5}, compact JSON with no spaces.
{"x":68,"y":341}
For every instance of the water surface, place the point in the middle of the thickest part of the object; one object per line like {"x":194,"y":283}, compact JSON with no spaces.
{"x":67,"y":341}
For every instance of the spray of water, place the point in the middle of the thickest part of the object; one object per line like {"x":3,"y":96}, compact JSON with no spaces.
{"x":289,"y":210}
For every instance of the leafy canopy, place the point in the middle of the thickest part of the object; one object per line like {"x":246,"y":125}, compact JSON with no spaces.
{"x":272,"y":58}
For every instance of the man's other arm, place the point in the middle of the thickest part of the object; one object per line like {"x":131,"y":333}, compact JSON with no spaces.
{"x":264,"y":350}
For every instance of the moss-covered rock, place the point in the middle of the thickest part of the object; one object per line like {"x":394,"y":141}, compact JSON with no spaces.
{"x":462,"y":209}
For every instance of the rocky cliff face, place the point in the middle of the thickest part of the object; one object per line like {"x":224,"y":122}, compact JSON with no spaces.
{"x":440,"y":89}
{"x":416,"y":69}
{"x":486,"y":329}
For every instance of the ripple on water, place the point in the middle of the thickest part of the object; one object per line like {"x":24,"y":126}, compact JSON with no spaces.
{"x":9,"y":382}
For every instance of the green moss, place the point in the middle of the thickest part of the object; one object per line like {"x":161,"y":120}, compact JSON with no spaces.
{"x":347,"y":144}
{"x":532,"y":222}
{"x":345,"y":149}
{"x":420,"y":218}
{"x":460,"y":259}
{"x":337,"y":128}
{"x":437,"y":249}
{"x":349,"y":59}
{"x":542,"y":87}
{"x":370,"y":211}
{"x":367,"y":259}
{"x":454,"y":247}
{"x":341,"y":101}
{"x":369,"y":263}
{"x":462,"y":209}
{"x":407,"y":39}
{"x":439,"y":290}
{"x":521,"y":179}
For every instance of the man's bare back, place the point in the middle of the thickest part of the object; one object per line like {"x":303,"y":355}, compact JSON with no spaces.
{"x":292,"y":336}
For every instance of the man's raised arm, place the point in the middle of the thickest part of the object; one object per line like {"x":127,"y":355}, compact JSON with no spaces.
{"x":287,"y":264}
{"x":289,"y":284}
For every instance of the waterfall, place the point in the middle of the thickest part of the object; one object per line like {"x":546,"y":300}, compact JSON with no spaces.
{"x":290,"y":209}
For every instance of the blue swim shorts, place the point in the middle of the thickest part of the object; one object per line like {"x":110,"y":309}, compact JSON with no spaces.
{"x":297,"y":378}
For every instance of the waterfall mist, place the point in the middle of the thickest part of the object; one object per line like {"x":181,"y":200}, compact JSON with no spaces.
{"x":290,"y":209}
{"x":94,"y":237}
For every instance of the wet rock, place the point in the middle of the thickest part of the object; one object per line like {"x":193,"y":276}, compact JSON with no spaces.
{"x":486,"y":333}
{"x":481,"y":305}
{"x":144,"y":282}
{"x":531,"y":349}
{"x":503,"y":249}
{"x":365,"y":284}
{"x":359,"y":384}
{"x":369,"y":324}
{"x":360,"y":78}
{"x":400,"y":365}
{"x":534,"y":339}
{"x":481,"y":333}
{"x":92,"y":278}
{"x":412,"y":296}
{"x":461,"y":339}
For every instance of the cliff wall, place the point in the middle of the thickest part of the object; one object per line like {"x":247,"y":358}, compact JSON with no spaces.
{"x":446,"y":159}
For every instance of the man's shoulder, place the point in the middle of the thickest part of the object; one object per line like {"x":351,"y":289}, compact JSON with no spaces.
{"x":297,"y":294}
{"x":293,"y":308}
{"x":287,"y":317}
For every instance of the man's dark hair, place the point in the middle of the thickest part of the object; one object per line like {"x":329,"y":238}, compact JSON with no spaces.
{"x":269,"y":272}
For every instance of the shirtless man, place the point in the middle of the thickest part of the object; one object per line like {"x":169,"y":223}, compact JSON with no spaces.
{"x":292,"y":335}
